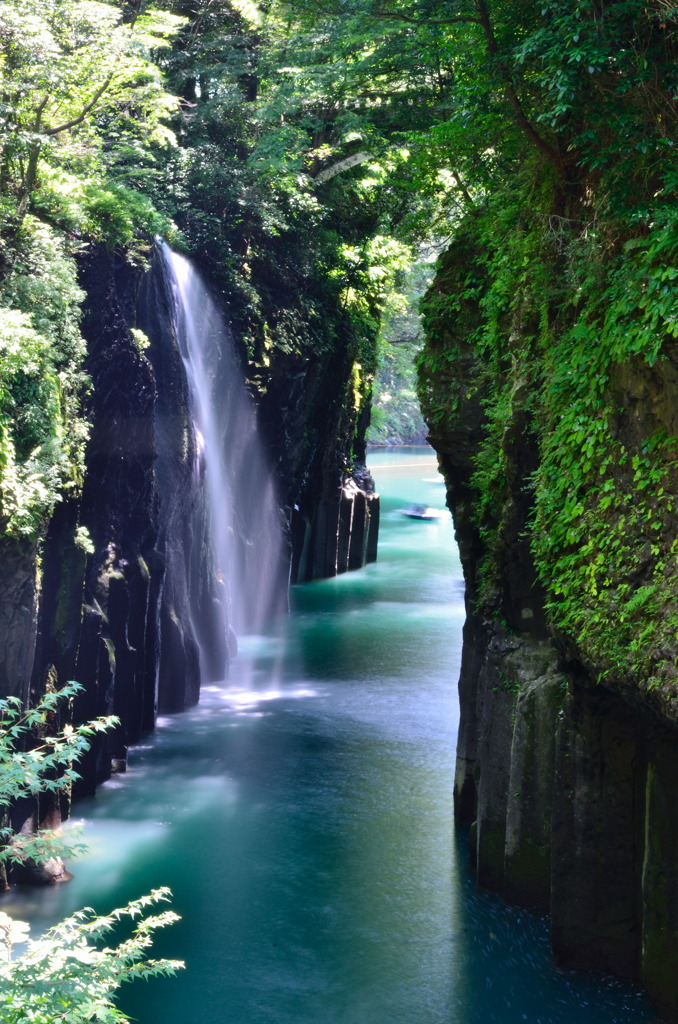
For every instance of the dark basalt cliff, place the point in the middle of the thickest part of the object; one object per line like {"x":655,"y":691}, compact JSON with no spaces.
{"x":122,"y":594}
{"x":309,"y":369}
{"x":314,"y":433}
{"x":118,"y":617}
{"x":568,"y":743}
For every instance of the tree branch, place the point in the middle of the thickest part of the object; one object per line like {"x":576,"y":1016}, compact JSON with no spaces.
{"x":482,"y":18}
{"x":461,"y":186}
{"x":29,"y":174}
{"x":342,"y":165}
{"x":83,"y":113}
{"x":528,"y":128}
{"x":39,"y":112}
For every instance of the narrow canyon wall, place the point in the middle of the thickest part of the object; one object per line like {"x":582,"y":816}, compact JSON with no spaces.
{"x":568,"y":741}
{"x":315,"y":424}
{"x":122,"y":594}
{"x":127,"y":562}
{"x":338,"y":532}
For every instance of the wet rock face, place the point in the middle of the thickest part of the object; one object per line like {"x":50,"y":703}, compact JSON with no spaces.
{"x":570,"y":795}
{"x":120,"y":509}
{"x":124,"y":596}
{"x":567,"y":786}
{"x":191,"y":613}
{"x":18,"y":616}
{"x":339,"y":535}
{"x":118,"y":617}
{"x":130,"y":604}
{"x":314,"y":434}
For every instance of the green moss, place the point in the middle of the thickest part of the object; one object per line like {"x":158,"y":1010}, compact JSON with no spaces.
{"x":570,"y":365}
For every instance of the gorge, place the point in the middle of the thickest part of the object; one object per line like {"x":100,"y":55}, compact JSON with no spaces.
{"x":229,"y":191}
{"x":301,"y":814}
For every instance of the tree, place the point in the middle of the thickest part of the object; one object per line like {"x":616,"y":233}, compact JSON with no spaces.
{"x":83,"y":112}
{"x":79,"y":91}
{"x":66,"y":976}
{"x":396,"y":417}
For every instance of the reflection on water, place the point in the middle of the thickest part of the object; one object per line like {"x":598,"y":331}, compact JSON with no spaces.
{"x":302,"y":815}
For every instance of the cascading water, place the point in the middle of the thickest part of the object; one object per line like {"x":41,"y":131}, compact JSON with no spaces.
{"x":244,"y":516}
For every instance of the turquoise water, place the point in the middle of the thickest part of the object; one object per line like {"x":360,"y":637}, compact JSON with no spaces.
{"x":302,"y":816}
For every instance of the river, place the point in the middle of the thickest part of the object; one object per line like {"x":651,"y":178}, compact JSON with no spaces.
{"x":302,"y":816}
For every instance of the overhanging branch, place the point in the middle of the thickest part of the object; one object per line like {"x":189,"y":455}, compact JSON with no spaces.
{"x":83,"y":113}
{"x":527,"y":127}
{"x":482,"y":18}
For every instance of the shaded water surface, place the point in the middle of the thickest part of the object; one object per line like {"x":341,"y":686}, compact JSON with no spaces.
{"x":302,"y":816}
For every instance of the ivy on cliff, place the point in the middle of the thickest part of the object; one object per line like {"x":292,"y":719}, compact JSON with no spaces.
{"x":557,"y":299}
{"x":83,"y":113}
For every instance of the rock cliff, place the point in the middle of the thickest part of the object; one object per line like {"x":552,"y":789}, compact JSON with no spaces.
{"x":117,"y":613}
{"x":560,"y":466}
{"x":122,"y":594}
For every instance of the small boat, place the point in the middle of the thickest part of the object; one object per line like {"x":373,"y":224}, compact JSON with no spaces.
{"x":424,"y":512}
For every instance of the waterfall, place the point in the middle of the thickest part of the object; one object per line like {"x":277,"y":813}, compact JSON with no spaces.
{"x":243,"y":510}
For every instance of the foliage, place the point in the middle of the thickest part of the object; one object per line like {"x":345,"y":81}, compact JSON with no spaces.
{"x":45,"y":767}
{"x":82,"y":117}
{"x":66,"y":975}
{"x":80,"y":92}
{"x":42,"y":432}
{"x":396,"y":417}
{"x":552,"y":321}
{"x":318,"y":144}
{"x":601,"y":552}
{"x":303,"y":263}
